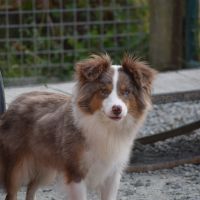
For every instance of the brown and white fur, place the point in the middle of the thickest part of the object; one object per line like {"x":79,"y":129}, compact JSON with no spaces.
{"x":87,"y":137}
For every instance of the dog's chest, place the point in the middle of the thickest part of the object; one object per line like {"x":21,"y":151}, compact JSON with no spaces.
{"x":106,"y":152}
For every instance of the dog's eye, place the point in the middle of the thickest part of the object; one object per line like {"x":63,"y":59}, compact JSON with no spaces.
{"x":126,"y":92}
{"x":104,"y":92}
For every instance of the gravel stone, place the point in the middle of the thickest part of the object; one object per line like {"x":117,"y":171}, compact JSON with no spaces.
{"x":172,"y":115}
{"x":138,"y":183}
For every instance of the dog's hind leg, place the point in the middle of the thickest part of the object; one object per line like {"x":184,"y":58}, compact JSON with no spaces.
{"x":13,"y":182}
{"x":42,"y":177}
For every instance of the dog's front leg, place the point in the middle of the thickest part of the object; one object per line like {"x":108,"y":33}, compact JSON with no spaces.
{"x":110,"y":187}
{"x":77,"y":191}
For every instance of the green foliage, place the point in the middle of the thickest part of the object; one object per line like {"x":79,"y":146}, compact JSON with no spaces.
{"x":49,"y":43}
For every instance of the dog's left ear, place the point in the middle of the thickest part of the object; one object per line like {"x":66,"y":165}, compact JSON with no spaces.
{"x":141,"y":74}
{"x":91,"y":68}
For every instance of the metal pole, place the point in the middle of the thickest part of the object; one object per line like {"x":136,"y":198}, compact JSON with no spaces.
{"x":191,"y":40}
{"x":2,"y":96}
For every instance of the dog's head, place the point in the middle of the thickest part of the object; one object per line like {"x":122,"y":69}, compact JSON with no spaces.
{"x":114,"y":90}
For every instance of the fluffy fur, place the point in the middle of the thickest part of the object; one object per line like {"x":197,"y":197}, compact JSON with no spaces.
{"x":87,"y":137}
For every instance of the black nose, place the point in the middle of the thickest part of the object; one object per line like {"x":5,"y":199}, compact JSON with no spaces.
{"x":116,"y":110}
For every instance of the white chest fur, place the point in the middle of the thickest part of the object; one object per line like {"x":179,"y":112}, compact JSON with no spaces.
{"x":108,"y":145}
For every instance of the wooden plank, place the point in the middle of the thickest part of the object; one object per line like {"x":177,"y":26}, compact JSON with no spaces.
{"x":12,"y":92}
{"x":139,"y":168}
{"x":168,"y":82}
{"x":161,"y":18}
{"x":191,"y":74}
{"x":168,"y":134}
{"x":175,"y":82}
{"x":176,"y":97}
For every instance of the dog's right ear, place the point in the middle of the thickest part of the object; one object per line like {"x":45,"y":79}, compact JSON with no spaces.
{"x":91,"y":68}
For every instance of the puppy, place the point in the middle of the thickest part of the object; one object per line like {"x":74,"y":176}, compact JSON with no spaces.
{"x":87,"y":137}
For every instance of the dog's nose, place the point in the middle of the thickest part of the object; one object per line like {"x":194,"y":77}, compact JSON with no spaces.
{"x":116,"y":109}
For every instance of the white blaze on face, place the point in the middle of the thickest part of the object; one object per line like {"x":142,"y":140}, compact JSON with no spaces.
{"x":113,"y":99}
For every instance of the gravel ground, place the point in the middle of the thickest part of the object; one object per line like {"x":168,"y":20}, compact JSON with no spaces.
{"x":167,"y":116}
{"x":180,"y":183}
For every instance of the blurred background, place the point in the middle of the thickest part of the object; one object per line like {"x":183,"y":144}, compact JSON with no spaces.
{"x":40,"y":40}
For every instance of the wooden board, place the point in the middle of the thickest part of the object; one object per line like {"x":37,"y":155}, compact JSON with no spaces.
{"x":168,"y":82}
{"x":179,"y":81}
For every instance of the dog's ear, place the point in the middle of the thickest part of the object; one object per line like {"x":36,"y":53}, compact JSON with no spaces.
{"x":91,"y":68}
{"x":141,"y":74}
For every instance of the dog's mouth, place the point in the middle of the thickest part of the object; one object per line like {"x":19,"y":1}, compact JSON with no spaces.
{"x":115,"y":118}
